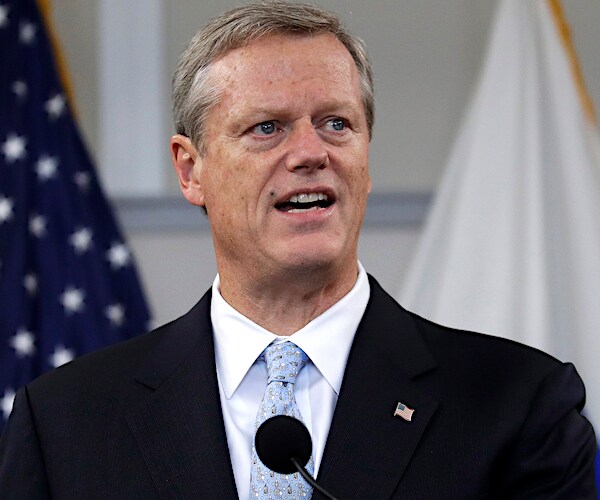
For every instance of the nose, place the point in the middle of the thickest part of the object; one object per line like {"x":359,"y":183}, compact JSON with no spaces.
{"x":306,"y":150}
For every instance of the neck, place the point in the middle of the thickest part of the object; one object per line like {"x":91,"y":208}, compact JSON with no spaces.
{"x":283,"y":303}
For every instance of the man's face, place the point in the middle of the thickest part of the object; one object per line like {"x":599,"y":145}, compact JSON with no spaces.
{"x":284,"y":175}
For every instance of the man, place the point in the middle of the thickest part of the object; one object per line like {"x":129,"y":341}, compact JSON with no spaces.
{"x":273,"y":106}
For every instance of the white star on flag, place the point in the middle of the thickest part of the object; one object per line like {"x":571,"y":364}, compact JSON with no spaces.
{"x":23,"y":343}
{"x":55,"y":106}
{"x":72,"y":299}
{"x":3,"y":16}
{"x":30,"y":283}
{"x":115,"y":313}
{"x":37,"y":225}
{"x":60,"y":356}
{"x":6,"y":207}
{"x":19,"y":87}
{"x":81,"y":240}
{"x":82,"y":179}
{"x":7,"y":402}
{"x":46,"y":167}
{"x":14,"y":148}
{"x":118,"y":255}
{"x":27,"y":32}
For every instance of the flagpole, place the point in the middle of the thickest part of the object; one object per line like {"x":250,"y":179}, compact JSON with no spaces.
{"x":564,"y":32}
{"x":64,"y":75}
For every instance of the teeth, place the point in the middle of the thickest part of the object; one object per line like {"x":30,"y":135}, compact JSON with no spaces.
{"x":307,"y":197}
{"x":297,"y":210}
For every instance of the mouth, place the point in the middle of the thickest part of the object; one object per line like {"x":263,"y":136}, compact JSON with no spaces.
{"x":305,"y":202}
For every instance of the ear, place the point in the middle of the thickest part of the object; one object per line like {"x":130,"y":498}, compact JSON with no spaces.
{"x":188,"y":166}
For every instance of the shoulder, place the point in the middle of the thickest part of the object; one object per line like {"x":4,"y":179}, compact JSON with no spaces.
{"x":453,"y":342}
{"x":116,"y":361}
{"x":476,"y":358}
{"x":481,"y":349}
{"x":102,"y":370}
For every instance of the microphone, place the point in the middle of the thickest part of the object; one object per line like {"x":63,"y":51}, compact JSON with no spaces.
{"x":284,"y":445}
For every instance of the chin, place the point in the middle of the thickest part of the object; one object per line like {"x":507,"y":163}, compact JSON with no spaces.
{"x":312,"y":252}
{"x":315,"y":259}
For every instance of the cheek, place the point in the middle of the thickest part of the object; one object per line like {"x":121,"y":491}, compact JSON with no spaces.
{"x":360,"y":178}
{"x":219,"y":177}
{"x":230,"y":193}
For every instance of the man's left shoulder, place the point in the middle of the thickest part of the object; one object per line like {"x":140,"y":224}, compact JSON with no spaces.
{"x":466,"y":353}
{"x":481,"y":349}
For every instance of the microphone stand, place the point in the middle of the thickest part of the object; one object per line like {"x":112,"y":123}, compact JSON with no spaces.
{"x":309,"y":479}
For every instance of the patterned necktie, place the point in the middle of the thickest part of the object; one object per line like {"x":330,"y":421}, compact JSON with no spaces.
{"x":284,"y":362}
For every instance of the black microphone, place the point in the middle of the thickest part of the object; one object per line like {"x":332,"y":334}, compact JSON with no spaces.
{"x":284,"y":445}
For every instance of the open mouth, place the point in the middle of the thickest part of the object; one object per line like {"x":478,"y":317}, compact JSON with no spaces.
{"x":305,"y":202}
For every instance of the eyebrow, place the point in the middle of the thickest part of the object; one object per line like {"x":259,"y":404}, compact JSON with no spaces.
{"x":277,"y":110}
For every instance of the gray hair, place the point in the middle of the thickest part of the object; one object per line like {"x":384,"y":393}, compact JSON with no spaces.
{"x":194,"y":94}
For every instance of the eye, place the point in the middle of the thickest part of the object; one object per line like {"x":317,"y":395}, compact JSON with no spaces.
{"x":337,"y":124}
{"x":265,"y":128}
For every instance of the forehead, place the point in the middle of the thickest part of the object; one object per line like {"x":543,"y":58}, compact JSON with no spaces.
{"x":291,"y":58}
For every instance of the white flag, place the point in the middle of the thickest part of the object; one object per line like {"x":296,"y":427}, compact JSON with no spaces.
{"x":512,"y":244}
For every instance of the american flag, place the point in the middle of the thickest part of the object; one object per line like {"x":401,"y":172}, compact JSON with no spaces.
{"x":404,"y":412}
{"x":68,"y":284}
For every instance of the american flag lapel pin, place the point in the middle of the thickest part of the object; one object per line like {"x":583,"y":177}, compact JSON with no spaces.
{"x":404,"y":412}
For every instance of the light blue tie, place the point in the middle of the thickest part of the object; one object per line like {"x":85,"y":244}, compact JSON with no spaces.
{"x":284,"y":362}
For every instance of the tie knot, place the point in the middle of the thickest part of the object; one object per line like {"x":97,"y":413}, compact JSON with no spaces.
{"x":284,"y":362}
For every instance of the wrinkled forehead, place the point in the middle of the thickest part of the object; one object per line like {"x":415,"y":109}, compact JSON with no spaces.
{"x":285,"y":56}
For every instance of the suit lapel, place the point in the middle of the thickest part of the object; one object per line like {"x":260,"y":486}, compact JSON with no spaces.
{"x":179,"y":427}
{"x":368,"y":449}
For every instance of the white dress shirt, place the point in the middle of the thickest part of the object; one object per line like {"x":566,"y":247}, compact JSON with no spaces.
{"x":242,"y":378}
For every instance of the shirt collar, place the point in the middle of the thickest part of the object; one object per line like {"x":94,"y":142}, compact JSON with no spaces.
{"x":326,"y":339}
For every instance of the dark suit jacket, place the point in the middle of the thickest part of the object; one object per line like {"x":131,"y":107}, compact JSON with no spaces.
{"x":142,"y":419}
